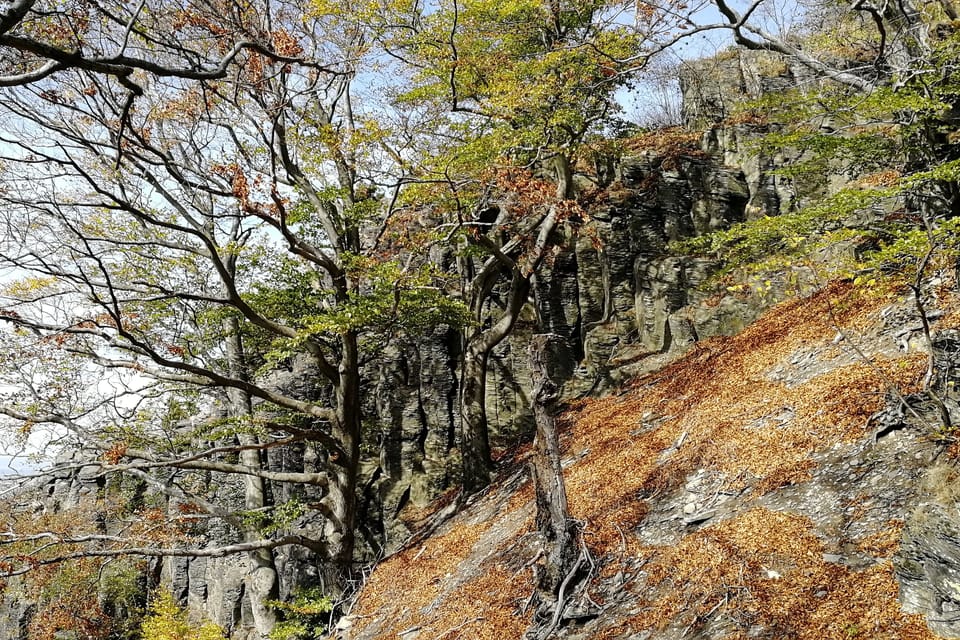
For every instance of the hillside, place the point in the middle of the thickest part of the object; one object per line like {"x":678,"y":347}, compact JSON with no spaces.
{"x":287,"y":288}
{"x":767,"y":485}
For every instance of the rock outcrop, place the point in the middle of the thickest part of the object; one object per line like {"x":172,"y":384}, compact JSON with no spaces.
{"x":691,"y":477}
{"x":928,"y":561}
{"x":784,"y":483}
{"x":613,"y":290}
{"x":624,"y":302}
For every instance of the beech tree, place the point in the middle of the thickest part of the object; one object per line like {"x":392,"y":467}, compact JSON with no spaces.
{"x":195,"y":198}
{"x":129,"y":42}
{"x":164,"y":253}
{"x":523,"y":86}
{"x":902,"y":211}
{"x":520,"y":85}
{"x":862,"y":45}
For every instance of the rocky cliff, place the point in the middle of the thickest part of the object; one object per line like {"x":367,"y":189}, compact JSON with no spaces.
{"x":613,"y":290}
{"x":770,"y":484}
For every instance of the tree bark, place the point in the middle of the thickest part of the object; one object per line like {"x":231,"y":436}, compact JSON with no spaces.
{"x":553,"y":517}
{"x":344,"y":467}
{"x":262,"y":579}
{"x":564,"y":177}
{"x":558,"y":531}
{"x":476,"y":461}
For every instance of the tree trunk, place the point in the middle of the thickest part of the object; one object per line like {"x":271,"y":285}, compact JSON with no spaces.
{"x":564,"y":176}
{"x":557,"y":530}
{"x":262,"y":585}
{"x":341,"y":501}
{"x":262,"y":580}
{"x":553,"y":518}
{"x":476,"y":462}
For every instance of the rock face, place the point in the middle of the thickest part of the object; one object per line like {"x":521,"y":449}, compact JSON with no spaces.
{"x":713,"y":88}
{"x":622,"y":300}
{"x":641,"y":285}
{"x":613,"y":291}
{"x":60,"y":492}
{"x":215,"y":589}
{"x":928,"y":562}
{"x":626,"y":304}
{"x":928,"y":567}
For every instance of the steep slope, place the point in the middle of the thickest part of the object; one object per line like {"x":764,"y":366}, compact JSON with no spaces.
{"x":759,"y":486}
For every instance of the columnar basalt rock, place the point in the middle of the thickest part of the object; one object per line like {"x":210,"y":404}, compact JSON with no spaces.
{"x":612,"y":290}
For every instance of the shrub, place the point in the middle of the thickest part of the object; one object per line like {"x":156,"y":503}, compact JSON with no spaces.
{"x":304,"y":615}
{"x":168,"y":621}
